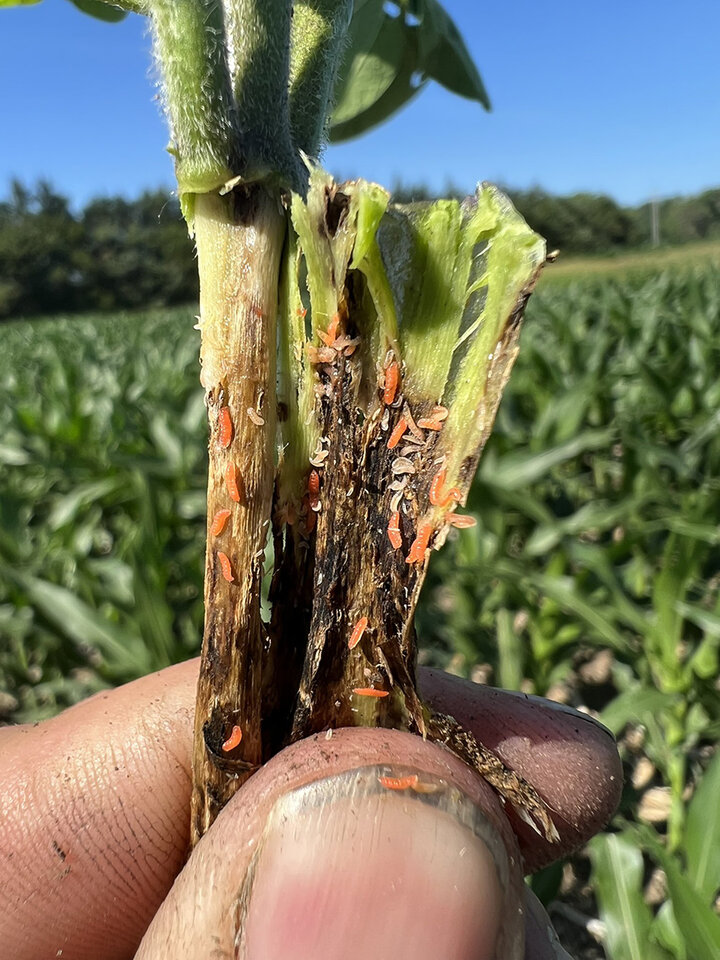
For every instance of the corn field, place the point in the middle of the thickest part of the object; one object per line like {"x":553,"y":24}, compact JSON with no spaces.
{"x":593,"y":575}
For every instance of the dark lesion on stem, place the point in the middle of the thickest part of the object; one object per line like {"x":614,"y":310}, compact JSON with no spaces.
{"x":352,"y":572}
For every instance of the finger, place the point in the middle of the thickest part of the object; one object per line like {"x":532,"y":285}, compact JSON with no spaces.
{"x":94,"y":819}
{"x":569,"y":758}
{"x":317,"y":856}
{"x":96,"y":805}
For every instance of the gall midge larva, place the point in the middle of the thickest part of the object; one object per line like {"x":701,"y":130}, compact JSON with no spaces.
{"x":218,"y":522}
{"x":393,"y":531}
{"x":233,"y":740}
{"x":392,"y":380}
{"x":412,"y":426}
{"x":420,"y":543}
{"x":255,"y":417}
{"x":231,"y":483}
{"x":358,"y":631}
{"x":437,"y":498}
{"x":436,"y":485}
{"x":330,"y":337}
{"x":226,"y":566}
{"x":397,"y":434}
{"x":399,"y":783}
{"x":225,"y":427}
{"x":403,"y":465}
{"x":427,"y":424}
{"x":370,"y":692}
{"x":462,"y":521}
{"x":313,"y":489}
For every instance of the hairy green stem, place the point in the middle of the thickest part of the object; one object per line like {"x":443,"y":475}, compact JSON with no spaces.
{"x":190,"y":47}
{"x":319,"y":32}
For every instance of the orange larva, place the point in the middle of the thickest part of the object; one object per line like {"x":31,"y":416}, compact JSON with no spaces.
{"x":313,"y":489}
{"x":330,"y":337}
{"x":225,"y":427}
{"x":429,"y":424}
{"x":313,"y":484}
{"x":392,"y":379}
{"x":231,"y":483}
{"x":393,"y":530}
{"x":397,"y":434}
{"x":226,"y":566}
{"x":218,"y":522}
{"x":399,"y":783}
{"x":462,"y":521}
{"x":233,"y":740}
{"x":437,"y":499}
{"x":370,"y":692}
{"x":438,"y":482}
{"x":358,"y":631}
{"x":420,"y":543}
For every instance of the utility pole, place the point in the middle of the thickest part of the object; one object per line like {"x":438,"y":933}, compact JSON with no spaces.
{"x":654,"y":223}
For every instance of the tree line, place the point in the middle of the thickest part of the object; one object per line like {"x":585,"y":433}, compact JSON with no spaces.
{"x":125,"y":254}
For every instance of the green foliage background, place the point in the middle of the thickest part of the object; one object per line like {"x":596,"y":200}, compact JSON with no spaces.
{"x":597,"y":498}
{"x":118,"y":254}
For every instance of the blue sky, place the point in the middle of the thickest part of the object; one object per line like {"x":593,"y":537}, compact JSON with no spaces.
{"x":621,"y":97}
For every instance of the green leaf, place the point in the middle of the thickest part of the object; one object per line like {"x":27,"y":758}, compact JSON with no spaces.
{"x":390,"y":59}
{"x":667,"y":933}
{"x":522,"y":468}
{"x":636,"y":705}
{"x":702,"y":833}
{"x":377,"y":44}
{"x":444,"y":56}
{"x":697,"y":921}
{"x":108,"y":12}
{"x":126,"y":655}
{"x":618,"y":877}
{"x":18,"y":3}
{"x":545,"y":884}
{"x":709,"y":621}
{"x":380,"y":81}
{"x":65,"y":509}
{"x":511,"y":657}
{"x":564,"y":591}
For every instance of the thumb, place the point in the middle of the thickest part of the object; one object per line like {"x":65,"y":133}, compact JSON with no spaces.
{"x":370,"y":844}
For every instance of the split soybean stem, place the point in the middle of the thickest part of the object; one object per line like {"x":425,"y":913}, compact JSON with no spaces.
{"x":239,"y":245}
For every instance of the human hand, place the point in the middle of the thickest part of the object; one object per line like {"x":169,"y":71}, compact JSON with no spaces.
{"x":94,"y":828}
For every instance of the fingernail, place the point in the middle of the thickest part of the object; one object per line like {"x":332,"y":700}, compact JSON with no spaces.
{"x":380,"y":862}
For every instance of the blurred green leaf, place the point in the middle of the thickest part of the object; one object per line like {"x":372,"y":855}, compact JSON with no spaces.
{"x":522,"y":468}
{"x":618,"y":876}
{"x":702,"y":833}
{"x":101,"y":10}
{"x":695,"y":917}
{"x":66,"y":507}
{"x":126,"y":655}
{"x":545,"y":884}
{"x":667,"y":933}
{"x":510,"y":653}
{"x":637,"y":705}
